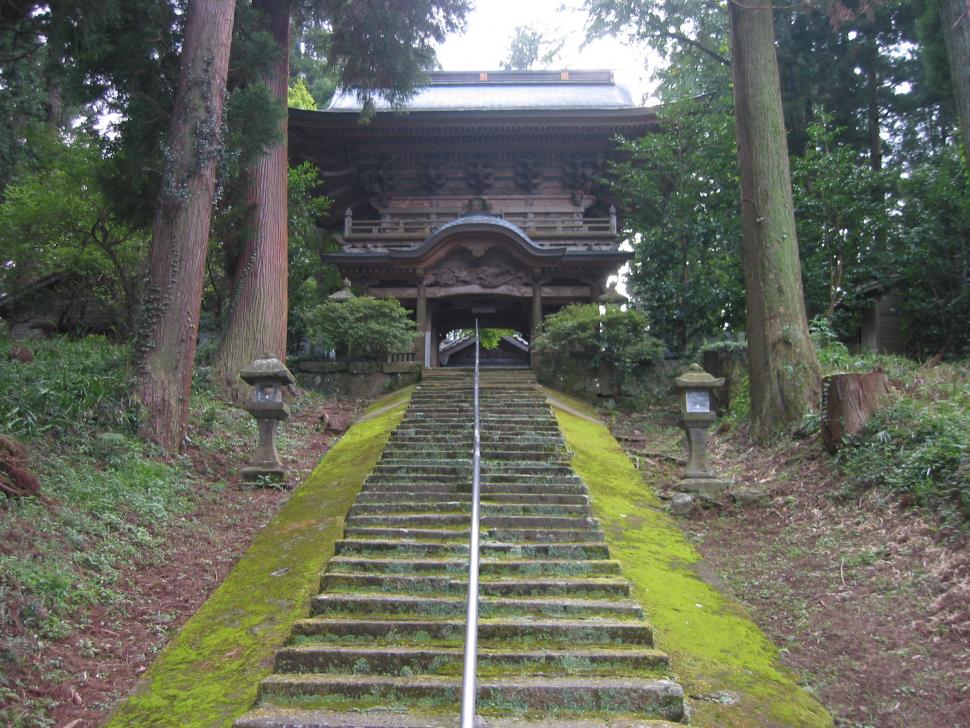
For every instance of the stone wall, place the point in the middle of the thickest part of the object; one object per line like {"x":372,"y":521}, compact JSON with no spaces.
{"x":357,"y":379}
{"x":577,"y":376}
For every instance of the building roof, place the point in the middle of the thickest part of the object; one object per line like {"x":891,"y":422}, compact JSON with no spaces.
{"x":505,"y":91}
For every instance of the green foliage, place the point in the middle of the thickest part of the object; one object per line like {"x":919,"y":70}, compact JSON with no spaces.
{"x":843,"y":211}
{"x":530,"y":47}
{"x":378,"y":52}
{"x":362,"y":327}
{"x":489,"y":339}
{"x":55,"y":219}
{"x":298,"y":96}
{"x":931,"y":256}
{"x":918,"y":445}
{"x":679,"y":190}
{"x":310,"y":281}
{"x":71,"y":387}
{"x":108,"y":510}
{"x":613,"y":336}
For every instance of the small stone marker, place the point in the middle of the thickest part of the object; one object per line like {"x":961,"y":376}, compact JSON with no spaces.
{"x":696,"y":415}
{"x":268,"y":375}
{"x":682,"y":504}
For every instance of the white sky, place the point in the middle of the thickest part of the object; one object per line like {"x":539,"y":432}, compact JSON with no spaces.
{"x":491,"y":26}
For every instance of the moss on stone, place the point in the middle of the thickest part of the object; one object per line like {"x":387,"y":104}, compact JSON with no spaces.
{"x":209,"y":673}
{"x":716,"y":651}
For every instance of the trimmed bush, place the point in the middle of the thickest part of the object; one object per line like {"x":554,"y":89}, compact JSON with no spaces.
{"x":362,"y":328}
{"x":605,"y":335}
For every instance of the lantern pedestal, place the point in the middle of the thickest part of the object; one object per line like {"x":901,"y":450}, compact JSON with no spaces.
{"x":697,"y":414}
{"x":268,"y":376}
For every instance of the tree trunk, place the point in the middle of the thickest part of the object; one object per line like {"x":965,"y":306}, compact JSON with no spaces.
{"x":258,"y":311}
{"x":955,"y":18}
{"x":784,"y":373}
{"x":170,"y":310}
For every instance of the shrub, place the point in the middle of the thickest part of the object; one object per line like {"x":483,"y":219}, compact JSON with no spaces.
{"x":607,"y":335}
{"x":917,"y":446}
{"x":71,"y":385}
{"x":362,"y":327}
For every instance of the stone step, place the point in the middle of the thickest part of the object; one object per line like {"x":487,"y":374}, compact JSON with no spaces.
{"x":576,"y":550}
{"x":449,"y":520}
{"x":464,"y":507}
{"x":280,"y":717}
{"x":529,"y":485}
{"x":511,"y":535}
{"x":418,"y":497}
{"x":495,"y":586}
{"x":420,"y":486}
{"x":346,"y":564}
{"x":599,"y":631}
{"x":451,"y":606}
{"x":393,"y":660}
{"x":649,"y":698}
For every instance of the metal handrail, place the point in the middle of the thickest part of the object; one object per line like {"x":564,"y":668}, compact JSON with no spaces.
{"x":469,"y":687}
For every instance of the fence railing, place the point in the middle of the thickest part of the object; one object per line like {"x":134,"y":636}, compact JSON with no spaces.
{"x":417,"y":226}
{"x":469,"y":685}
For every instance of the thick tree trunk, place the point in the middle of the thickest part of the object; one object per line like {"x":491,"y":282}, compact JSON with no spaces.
{"x":170,"y":310}
{"x":258,"y":311}
{"x":955,"y":18}
{"x":785,"y":380}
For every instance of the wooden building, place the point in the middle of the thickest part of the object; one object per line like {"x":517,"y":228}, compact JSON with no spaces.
{"x":481,"y":199}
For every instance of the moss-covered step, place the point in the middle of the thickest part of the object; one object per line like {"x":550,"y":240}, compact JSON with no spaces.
{"x":510,"y":631}
{"x":716,"y":651}
{"x":209,"y":672}
{"x":522,"y":586}
{"x":390,"y":659}
{"x":448,"y":606}
{"x":649,"y":698}
{"x":276,"y":717}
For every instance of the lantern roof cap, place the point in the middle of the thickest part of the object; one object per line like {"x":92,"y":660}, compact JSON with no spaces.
{"x":696,"y":378}
{"x":266,"y":366}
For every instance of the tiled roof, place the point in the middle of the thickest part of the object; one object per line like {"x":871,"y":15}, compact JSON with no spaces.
{"x":507,"y":90}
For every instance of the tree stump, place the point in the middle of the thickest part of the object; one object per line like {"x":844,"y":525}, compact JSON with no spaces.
{"x":848,"y":400}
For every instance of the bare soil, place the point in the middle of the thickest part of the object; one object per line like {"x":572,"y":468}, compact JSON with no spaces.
{"x":867,"y":598}
{"x":104,"y":659}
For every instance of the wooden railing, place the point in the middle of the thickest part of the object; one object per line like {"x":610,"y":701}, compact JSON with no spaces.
{"x":416,"y":226}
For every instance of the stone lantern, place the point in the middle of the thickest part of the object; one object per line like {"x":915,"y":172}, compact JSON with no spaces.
{"x":268,"y":376}
{"x":695,"y":389}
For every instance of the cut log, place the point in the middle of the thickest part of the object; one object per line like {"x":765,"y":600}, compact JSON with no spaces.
{"x":848,"y":401}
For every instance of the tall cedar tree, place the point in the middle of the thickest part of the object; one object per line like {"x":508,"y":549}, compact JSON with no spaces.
{"x":784,"y":373}
{"x":371,"y":50}
{"x":955,"y":18}
{"x":258,"y":310}
{"x":172,"y":302}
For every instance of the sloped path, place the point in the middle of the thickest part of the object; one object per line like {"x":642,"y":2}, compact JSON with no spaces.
{"x":561,"y":642}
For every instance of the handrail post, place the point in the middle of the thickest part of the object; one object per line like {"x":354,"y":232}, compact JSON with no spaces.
{"x":469,"y":686}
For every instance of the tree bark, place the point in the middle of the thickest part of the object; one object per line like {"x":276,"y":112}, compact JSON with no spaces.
{"x":258,"y":310}
{"x":168,"y":329}
{"x":784,"y":373}
{"x":955,"y":18}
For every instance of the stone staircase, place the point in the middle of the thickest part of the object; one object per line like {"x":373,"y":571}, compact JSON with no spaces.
{"x":560,"y":641}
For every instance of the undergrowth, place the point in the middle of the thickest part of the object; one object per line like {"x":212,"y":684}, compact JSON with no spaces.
{"x":107,"y":496}
{"x":916,"y":445}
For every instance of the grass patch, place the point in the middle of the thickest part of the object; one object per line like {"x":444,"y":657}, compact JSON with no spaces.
{"x":208,"y":675}
{"x":715,"y":648}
